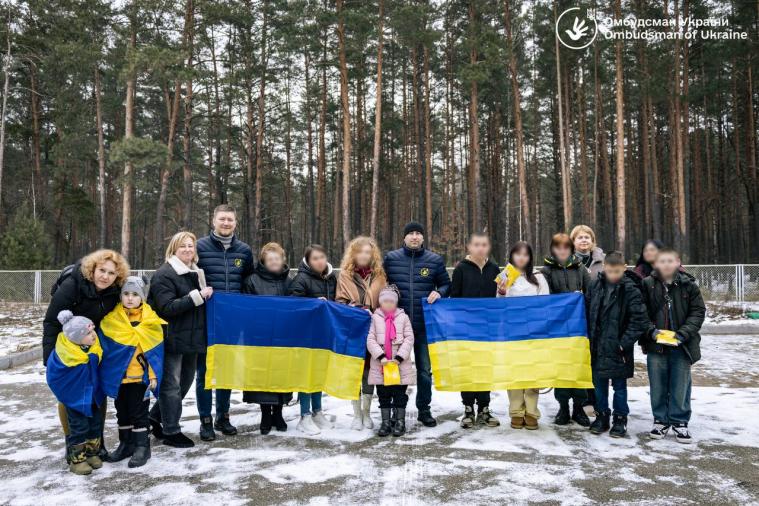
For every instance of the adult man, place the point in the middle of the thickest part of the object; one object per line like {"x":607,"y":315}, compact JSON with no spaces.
{"x":226,"y":261}
{"x":418,"y":273}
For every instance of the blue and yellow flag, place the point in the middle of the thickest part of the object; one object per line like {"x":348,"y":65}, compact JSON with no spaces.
{"x":285,"y":344}
{"x":72,"y":375}
{"x":509,"y":343}
{"x":119,"y":340}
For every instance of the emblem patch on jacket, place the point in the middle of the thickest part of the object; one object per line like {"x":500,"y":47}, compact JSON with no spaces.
{"x":238,"y":262}
{"x":424,"y":272}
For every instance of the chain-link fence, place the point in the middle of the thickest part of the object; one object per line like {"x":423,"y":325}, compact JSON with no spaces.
{"x":719,"y":283}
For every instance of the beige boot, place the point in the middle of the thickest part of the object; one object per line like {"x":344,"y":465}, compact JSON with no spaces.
{"x":357,"y":423}
{"x":91,"y":450}
{"x":78,"y":460}
{"x":366,"y":408}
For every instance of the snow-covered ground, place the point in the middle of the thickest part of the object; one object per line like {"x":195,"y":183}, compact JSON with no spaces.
{"x":20,"y":326}
{"x":443,"y":465}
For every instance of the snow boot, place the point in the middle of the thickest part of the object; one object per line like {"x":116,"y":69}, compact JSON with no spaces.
{"x":366,"y":409}
{"x":77,"y":459}
{"x":92,"y":451}
{"x":222,"y":424}
{"x":485,"y":417}
{"x":307,"y":426}
{"x":357,"y":423}
{"x":426,"y":418}
{"x":206,"y":429}
{"x":399,"y":427}
{"x":278,"y":419}
{"x":600,"y":424}
{"x":178,"y":440}
{"x":517,"y":422}
{"x":468,"y":421}
{"x":385,"y":427}
{"x":125,"y":448}
{"x":619,"y":427}
{"x":266,"y":419}
{"x":141,"y":448}
{"x":562,"y":417}
{"x":579,"y":416}
{"x":156,"y":429}
{"x":530,"y":422}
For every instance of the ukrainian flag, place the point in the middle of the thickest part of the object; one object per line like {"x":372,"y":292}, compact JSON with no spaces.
{"x":72,"y":375}
{"x":285,"y":344}
{"x":509,"y":343}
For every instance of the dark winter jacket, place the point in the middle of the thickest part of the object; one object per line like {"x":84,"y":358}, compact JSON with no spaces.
{"x":175,"y":296}
{"x":684,"y":313}
{"x":614,"y":326}
{"x":416,"y":273}
{"x":78,"y":295}
{"x":225,"y":269}
{"x":571,"y":276}
{"x":470,"y":281}
{"x":308,"y":283}
{"x":264,"y":282}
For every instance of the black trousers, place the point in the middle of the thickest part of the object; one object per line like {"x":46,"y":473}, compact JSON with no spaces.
{"x":131,"y":406}
{"x":482,"y":399}
{"x":393,"y":396}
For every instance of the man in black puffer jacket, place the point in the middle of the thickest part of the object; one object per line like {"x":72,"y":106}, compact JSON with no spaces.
{"x":226,"y":262}
{"x":418,"y":273}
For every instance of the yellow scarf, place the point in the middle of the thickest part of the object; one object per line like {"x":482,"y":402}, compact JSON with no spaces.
{"x":147,"y":334}
{"x":72,"y":354}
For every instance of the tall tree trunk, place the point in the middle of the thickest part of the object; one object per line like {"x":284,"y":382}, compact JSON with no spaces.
{"x":474,"y":135}
{"x":187,"y":139}
{"x":321,"y":177}
{"x":427,"y":149}
{"x":344,"y":92}
{"x":377,"y":124}
{"x":310,"y":211}
{"x":7,"y":63}
{"x":128,"y":185}
{"x":566,"y":184}
{"x":101,"y":160}
{"x":39,"y":190}
{"x":261,"y":125}
{"x":620,"y":140}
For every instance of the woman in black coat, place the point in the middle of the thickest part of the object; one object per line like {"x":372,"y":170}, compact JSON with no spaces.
{"x":178,"y":292}
{"x":270,"y":277}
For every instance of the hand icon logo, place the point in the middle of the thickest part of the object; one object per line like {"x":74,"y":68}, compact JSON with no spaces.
{"x":578,"y":30}
{"x":582,"y":32}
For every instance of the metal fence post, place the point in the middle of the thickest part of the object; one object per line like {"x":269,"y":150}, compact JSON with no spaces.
{"x":741,"y":292}
{"x":37,"y":287}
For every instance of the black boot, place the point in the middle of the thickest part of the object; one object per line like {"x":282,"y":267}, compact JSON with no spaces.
{"x":222,"y":424}
{"x":399,"y":427}
{"x":102,"y":450}
{"x":600,"y":424}
{"x":619,"y":427}
{"x":266,"y":419}
{"x":178,"y":440}
{"x":206,"y":429}
{"x":125,"y":448}
{"x":385,"y":427}
{"x":278,"y":419}
{"x":141,"y":448}
{"x":156,"y":429}
{"x":578,"y":414}
{"x":426,"y":418}
{"x":562,"y":417}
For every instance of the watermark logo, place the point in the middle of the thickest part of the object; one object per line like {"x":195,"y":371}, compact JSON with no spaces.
{"x":575,"y":28}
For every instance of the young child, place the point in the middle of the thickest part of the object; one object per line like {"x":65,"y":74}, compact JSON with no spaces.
{"x":616,"y":320}
{"x":72,"y":375}
{"x":391,"y":339}
{"x":132,"y":340}
{"x":523,"y":403}
{"x":474,"y":277}
{"x":672,"y":343}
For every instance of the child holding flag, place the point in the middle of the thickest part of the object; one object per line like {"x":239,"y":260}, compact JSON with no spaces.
{"x":523,"y":403}
{"x":132,"y":340}
{"x":72,"y":375}
{"x":390,"y":341}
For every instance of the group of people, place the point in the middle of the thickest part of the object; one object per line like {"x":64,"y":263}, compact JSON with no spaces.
{"x":102,"y":327}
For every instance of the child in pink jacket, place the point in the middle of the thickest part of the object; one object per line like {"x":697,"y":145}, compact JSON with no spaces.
{"x":391,"y":339}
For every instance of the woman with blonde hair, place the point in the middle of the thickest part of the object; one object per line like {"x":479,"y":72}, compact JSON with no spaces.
{"x":178,"y":292}
{"x":360,"y":281}
{"x":586,"y":250}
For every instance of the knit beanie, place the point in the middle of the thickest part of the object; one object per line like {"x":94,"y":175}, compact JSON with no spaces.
{"x":389,"y":293}
{"x":75,"y":328}
{"x":413,"y":226}
{"x":134,"y":284}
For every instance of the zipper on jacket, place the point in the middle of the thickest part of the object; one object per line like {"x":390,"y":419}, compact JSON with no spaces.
{"x":226,"y":270}
{"x":411,"y":284}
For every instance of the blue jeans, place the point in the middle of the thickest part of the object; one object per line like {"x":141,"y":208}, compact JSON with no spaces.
{"x":82,"y":428}
{"x":423,"y":373}
{"x":601,"y":387}
{"x":310,"y":403}
{"x":204,"y":397}
{"x":669,"y":376}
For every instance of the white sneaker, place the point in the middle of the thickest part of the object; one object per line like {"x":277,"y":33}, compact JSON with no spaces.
{"x":659,"y":431}
{"x":366,"y":411}
{"x":358,"y":423}
{"x":681,"y":434}
{"x":321,"y":421}
{"x":307,"y":426}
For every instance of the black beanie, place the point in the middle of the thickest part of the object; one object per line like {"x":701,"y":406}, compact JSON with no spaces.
{"x":413,"y":226}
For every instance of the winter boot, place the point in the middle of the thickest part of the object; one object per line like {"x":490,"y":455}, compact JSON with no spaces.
{"x":385,"y":427}
{"x":307,"y":426}
{"x":278,"y":419}
{"x":468,"y":421}
{"x":266,"y":419}
{"x":530,"y":422}
{"x":206,"y":429}
{"x":600,"y":424}
{"x":92,"y":451}
{"x":619,"y":427}
{"x":426,"y":418}
{"x":141,"y":448}
{"x":77,"y":459}
{"x":517,"y":422}
{"x":485,"y":417}
{"x":178,"y":440}
{"x":357,"y":423}
{"x":366,"y":408}
{"x":399,"y":427}
{"x":156,"y":429}
{"x":562,"y":417}
{"x":125,"y":448}
{"x":102,"y":450}
{"x":222,"y":424}
{"x":579,"y":416}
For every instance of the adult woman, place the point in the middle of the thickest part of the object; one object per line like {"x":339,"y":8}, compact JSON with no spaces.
{"x":270,"y":277}
{"x":591,"y":256}
{"x":359,"y":283}
{"x":645,"y":264}
{"x":315,"y":279}
{"x":178,"y":291}
{"x":523,"y":403}
{"x":565,"y":273}
{"x":91,"y":288}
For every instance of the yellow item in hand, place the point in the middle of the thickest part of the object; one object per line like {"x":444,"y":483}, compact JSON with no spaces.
{"x":667,"y":338}
{"x":510,"y":274}
{"x":391,"y":373}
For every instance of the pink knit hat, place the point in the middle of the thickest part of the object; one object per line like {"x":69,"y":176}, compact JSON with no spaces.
{"x":389,"y":293}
